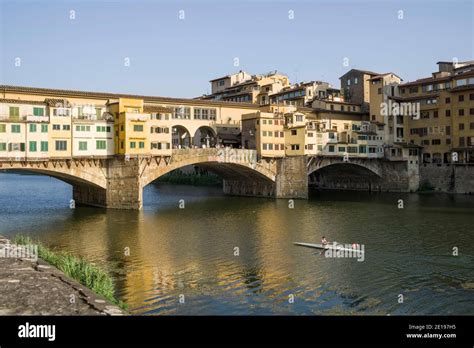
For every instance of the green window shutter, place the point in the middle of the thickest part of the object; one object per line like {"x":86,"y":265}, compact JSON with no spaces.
{"x":83,"y":145}
{"x":101,"y":145}
{"x":32,"y":128}
{"x":15,"y":128}
{"x":38,"y":111}
{"x":141,"y":144}
{"x":44,"y":128}
{"x":22,"y":146}
{"x":14,"y":113}
{"x":44,"y":146}
{"x":3,"y":128}
{"x":32,"y":146}
{"x":3,"y":146}
{"x":132,"y":145}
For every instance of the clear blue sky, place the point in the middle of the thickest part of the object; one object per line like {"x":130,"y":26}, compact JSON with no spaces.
{"x":173,"y":57}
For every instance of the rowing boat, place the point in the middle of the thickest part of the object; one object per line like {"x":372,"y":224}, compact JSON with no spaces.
{"x":328,"y":247}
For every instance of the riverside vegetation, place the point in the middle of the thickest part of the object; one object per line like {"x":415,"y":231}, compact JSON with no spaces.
{"x":78,"y":268}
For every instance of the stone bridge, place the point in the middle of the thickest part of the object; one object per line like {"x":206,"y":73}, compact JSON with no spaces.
{"x":118,"y":182}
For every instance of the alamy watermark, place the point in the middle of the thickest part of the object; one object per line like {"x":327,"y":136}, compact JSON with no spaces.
{"x":229,"y":155}
{"x":336,"y":250}
{"x":15,"y":251}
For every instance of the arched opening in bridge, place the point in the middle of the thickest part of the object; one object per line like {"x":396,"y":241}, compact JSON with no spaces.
{"x":181,"y":137}
{"x":205,"y":137}
{"x":344,"y":176}
{"x":54,"y":192}
{"x":234,"y":178}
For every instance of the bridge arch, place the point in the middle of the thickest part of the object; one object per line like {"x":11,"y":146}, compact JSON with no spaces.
{"x":351,"y":175}
{"x":71,"y":172}
{"x":215,"y":161}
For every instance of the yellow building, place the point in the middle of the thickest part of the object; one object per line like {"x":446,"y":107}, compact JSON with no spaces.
{"x":446,"y":109}
{"x":264,"y":131}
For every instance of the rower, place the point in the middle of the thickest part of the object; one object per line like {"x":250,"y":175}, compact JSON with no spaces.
{"x":324,"y":241}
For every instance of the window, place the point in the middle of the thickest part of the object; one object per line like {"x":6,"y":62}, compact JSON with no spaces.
{"x":38,"y":111}
{"x":83,"y":146}
{"x":448,"y":113}
{"x":56,"y":127}
{"x":461,"y":98}
{"x":299,"y":118}
{"x":32,"y":128}
{"x":3,"y":146}
{"x":293,"y":132}
{"x":349,"y":82}
{"x":101,"y":145}
{"x":436,"y":142}
{"x":141,"y":144}
{"x":448,"y":130}
{"x":3,"y":128}
{"x":102,"y":129}
{"x":379,"y":91}
{"x":295,"y":147}
{"x":61,"y":112}
{"x":471,"y":125}
{"x":356,"y":80}
{"x":14,"y":113}
{"x":66,"y":127}
{"x":32,"y":146}
{"x":44,"y":128}
{"x":133,"y":144}
{"x":471,"y":111}
{"x":331,"y":148}
{"x":61,"y":145}
{"x":362,"y":149}
{"x":471,"y":96}
{"x":15,"y":128}
{"x":447,"y":100}
{"x":44,"y":146}
{"x":435,"y":114}
{"x":461,"y":126}
{"x":138,"y":128}
{"x":461,"y":112}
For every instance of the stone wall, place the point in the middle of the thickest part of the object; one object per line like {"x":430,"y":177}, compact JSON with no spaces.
{"x":292,"y":177}
{"x":457,"y":178}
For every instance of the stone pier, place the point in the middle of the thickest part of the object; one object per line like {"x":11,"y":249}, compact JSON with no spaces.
{"x":291,"y":181}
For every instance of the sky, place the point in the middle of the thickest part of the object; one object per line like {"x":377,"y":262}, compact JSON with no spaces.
{"x":173,"y":48}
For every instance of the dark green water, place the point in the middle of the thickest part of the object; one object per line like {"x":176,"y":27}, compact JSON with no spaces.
{"x":190,"y":251}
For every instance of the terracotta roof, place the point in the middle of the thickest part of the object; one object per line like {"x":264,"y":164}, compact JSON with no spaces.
{"x":54,"y":102}
{"x":157,"y":109}
{"x":417,"y":97}
{"x":367,"y":72}
{"x":376,"y":77}
{"x":106,"y":96}
{"x":427,"y":80}
{"x":20,"y":101}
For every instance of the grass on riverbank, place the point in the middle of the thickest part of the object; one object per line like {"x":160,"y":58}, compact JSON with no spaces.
{"x":78,"y":268}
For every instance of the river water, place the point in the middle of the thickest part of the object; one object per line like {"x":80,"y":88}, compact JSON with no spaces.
{"x":230,"y":256}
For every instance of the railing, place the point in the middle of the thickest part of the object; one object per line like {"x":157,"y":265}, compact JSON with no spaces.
{"x":29,"y":118}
